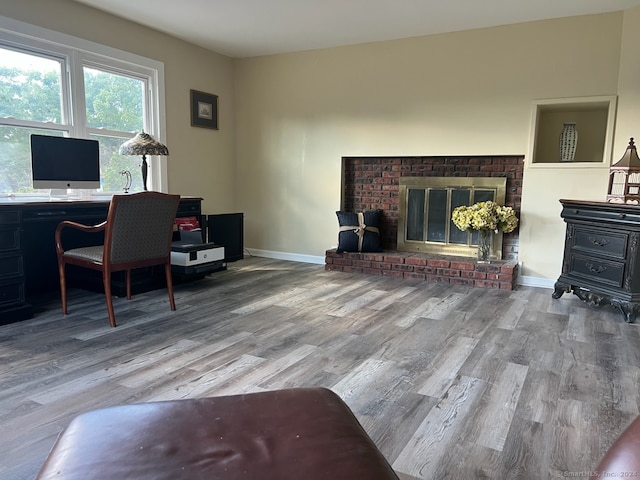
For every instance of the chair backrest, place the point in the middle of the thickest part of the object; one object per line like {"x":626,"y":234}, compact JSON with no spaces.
{"x":140,"y":227}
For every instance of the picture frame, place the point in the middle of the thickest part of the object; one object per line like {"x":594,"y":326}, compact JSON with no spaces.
{"x":204,"y":110}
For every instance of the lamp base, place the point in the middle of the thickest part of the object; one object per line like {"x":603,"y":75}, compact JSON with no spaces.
{"x":144,"y":167}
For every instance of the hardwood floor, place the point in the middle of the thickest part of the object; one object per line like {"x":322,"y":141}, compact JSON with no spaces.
{"x":449,"y":381}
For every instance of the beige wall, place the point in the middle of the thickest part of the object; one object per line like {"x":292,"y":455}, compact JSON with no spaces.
{"x":287,"y":120}
{"x":628,"y":120}
{"x":460,"y":93}
{"x":201,"y":161}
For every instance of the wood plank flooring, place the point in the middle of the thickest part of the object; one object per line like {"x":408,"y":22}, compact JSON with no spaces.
{"x":449,"y":381}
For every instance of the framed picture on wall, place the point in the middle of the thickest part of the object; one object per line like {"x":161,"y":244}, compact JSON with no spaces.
{"x":204,"y":110}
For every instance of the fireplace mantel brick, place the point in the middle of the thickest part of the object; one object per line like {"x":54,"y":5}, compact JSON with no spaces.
{"x":463,"y":265}
{"x":416,"y":261}
{"x":501,"y":274}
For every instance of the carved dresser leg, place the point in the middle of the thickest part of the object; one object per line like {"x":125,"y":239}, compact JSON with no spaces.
{"x":559,"y":289}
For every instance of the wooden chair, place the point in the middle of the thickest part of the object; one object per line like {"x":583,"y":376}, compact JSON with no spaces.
{"x":137,"y":233}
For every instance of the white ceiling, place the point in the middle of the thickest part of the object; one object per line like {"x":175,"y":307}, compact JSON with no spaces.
{"x":246,"y":28}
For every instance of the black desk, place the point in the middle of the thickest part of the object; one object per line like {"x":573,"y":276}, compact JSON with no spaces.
{"x":28,"y":262}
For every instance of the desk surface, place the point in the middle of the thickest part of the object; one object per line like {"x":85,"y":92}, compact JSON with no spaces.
{"x":44,"y":200}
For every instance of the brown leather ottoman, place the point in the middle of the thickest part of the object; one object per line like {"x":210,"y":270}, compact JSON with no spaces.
{"x":301,"y":434}
{"x":622,"y":460}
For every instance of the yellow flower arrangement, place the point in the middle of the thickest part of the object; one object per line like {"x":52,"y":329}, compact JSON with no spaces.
{"x":485,"y":216}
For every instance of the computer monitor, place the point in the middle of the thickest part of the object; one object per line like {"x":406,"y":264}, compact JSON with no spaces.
{"x":64,"y":162}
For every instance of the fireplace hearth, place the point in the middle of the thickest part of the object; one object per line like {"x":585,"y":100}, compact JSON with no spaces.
{"x":370,"y":183}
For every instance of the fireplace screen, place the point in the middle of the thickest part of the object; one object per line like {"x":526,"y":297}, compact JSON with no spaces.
{"x":426,"y":203}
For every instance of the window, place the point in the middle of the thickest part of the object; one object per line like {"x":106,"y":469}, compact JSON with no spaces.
{"x":113,"y":107}
{"x":58,"y":88}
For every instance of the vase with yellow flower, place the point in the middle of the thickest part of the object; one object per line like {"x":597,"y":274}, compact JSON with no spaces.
{"x":486,"y":218}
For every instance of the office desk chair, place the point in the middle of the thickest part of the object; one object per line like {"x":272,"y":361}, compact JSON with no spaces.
{"x":137,"y":233}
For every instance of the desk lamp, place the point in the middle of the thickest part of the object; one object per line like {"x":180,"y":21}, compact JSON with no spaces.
{"x":143,"y":144}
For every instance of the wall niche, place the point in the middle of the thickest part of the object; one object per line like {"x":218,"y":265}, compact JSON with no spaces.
{"x":594,"y":120}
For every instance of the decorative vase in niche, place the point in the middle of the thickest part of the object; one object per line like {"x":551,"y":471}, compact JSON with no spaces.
{"x":568,"y":142}
{"x":485,"y":243}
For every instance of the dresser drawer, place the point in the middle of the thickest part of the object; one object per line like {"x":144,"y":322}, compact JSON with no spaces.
{"x":9,"y":239}
{"x":594,"y":269}
{"x":603,"y":213}
{"x":189,"y":207}
{"x":600,"y":242}
{"x":11,"y":266}
{"x":9,"y":216}
{"x":11,"y":294}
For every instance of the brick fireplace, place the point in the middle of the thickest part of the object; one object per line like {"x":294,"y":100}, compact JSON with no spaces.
{"x":373,"y":183}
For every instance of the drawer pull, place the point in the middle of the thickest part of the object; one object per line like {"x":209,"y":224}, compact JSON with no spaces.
{"x":598,"y":269}
{"x":599,"y":243}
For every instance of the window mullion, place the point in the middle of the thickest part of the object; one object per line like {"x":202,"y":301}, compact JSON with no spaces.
{"x":77,"y":99}
{"x":15,"y":122}
{"x":66,"y":93}
{"x":109,"y":133}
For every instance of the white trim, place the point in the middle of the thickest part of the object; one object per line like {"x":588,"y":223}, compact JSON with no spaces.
{"x":161,"y":181}
{"x":292,"y":257}
{"x":528,"y":281}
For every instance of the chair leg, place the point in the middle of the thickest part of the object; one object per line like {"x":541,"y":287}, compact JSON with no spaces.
{"x":167,"y":272}
{"x":63,"y":283}
{"x":128,"y":284}
{"x":106,"y":280}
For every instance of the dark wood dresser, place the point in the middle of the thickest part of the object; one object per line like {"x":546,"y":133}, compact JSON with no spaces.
{"x":600,"y":263}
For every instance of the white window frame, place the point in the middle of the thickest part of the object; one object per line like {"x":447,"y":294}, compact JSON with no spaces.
{"x":78,"y":53}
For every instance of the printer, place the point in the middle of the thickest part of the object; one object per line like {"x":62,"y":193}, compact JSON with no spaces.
{"x":190,"y":255}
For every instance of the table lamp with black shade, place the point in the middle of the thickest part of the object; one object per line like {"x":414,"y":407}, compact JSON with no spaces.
{"x":143,"y":144}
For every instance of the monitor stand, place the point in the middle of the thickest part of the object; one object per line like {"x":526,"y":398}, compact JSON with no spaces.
{"x":58,"y":194}
{"x":70,"y":194}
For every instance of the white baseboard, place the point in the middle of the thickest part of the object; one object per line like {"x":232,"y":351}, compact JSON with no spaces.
{"x":528,"y":281}
{"x":292,"y":257}
{"x":296,"y":257}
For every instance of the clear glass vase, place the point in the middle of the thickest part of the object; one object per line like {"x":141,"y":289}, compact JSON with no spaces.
{"x":485,"y":243}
